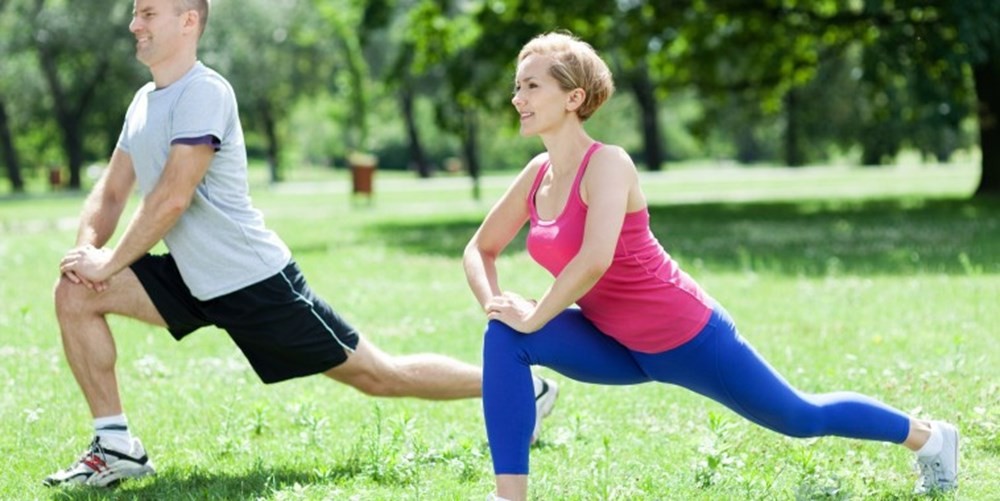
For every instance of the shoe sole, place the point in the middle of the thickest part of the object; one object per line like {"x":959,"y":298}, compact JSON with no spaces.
{"x":112,"y":478}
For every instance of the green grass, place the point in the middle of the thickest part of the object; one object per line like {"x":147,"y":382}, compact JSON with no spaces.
{"x":881,"y":281}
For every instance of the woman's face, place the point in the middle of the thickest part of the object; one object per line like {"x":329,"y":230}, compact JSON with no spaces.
{"x":538,"y":97}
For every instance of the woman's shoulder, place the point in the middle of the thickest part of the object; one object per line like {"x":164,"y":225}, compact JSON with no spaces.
{"x":537,"y":161}
{"x":527,"y":176}
{"x":530,"y":169}
{"x":612,"y":153}
{"x":612,"y":158}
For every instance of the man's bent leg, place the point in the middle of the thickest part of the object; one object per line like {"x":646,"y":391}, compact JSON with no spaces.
{"x":427,"y":376}
{"x":87,"y":341}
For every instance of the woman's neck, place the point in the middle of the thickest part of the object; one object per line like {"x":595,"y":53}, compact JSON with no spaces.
{"x":566,"y":147}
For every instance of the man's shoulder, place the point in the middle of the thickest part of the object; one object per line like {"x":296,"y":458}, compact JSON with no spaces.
{"x":146,"y":88}
{"x":205,"y":79}
{"x":206,"y":73}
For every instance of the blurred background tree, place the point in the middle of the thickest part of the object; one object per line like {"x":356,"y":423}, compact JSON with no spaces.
{"x":420,"y":83}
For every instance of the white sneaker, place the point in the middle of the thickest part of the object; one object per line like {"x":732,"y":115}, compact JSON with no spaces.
{"x":104,"y":467}
{"x":940,"y":472}
{"x":545,"y":400}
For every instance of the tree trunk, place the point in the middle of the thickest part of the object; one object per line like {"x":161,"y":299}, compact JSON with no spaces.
{"x":638,"y":80}
{"x":987,"y":81}
{"x":71,"y":110}
{"x":416,"y":149}
{"x":470,"y":149}
{"x":793,"y":150}
{"x":270,"y":132}
{"x":9,"y":153}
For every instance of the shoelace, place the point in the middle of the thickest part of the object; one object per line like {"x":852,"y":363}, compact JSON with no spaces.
{"x":931,"y":473}
{"x":94,"y":457}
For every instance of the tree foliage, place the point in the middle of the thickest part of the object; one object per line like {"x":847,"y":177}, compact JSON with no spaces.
{"x":775,"y":80}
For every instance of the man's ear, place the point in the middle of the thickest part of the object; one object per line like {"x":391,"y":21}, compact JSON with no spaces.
{"x":191,"y":21}
{"x":575,"y":99}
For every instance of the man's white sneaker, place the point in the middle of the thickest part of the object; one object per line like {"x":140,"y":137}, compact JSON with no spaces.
{"x":545,"y":400}
{"x":940,"y":472}
{"x":104,"y":467}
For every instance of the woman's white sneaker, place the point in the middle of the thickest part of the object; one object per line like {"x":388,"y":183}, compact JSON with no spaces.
{"x":940,"y":471}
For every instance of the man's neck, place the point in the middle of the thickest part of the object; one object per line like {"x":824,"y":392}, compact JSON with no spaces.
{"x":172,"y":70}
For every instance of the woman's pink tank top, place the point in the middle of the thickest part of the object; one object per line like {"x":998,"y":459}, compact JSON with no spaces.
{"x":644,"y":300}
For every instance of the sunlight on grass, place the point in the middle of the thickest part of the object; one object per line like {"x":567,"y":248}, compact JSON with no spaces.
{"x":881,"y":281}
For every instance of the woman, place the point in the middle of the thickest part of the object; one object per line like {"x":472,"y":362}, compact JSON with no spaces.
{"x":639,"y":317}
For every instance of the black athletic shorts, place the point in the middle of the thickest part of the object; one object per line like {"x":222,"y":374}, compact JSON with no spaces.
{"x":282,"y":327}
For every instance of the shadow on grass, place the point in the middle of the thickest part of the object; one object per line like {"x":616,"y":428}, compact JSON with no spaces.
{"x":260,"y":482}
{"x":815,"y":238}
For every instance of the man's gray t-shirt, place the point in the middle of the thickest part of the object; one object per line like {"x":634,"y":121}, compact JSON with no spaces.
{"x":220,"y":243}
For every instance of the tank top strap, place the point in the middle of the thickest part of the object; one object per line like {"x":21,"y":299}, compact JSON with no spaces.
{"x":534,"y":189}
{"x":575,"y":190}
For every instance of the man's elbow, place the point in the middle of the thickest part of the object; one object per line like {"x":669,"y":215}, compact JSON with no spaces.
{"x":174,"y":206}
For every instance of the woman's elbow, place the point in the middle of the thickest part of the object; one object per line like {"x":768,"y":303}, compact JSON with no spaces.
{"x":596,"y":266}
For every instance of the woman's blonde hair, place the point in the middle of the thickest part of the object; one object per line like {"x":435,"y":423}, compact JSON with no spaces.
{"x":575,"y":65}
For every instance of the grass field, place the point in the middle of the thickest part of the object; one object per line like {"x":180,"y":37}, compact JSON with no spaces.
{"x":882,"y":281}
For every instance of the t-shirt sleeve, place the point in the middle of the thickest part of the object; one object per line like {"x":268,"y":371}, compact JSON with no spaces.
{"x":207,"y":139}
{"x":122,"y":143}
{"x":202,"y":111}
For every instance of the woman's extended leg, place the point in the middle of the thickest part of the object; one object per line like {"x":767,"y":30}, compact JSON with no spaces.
{"x":720,"y":364}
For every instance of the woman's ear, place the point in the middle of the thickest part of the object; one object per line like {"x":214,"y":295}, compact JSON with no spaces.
{"x":575,"y":99}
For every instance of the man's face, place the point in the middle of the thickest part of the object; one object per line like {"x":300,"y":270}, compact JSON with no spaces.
{"x":159,"y":30}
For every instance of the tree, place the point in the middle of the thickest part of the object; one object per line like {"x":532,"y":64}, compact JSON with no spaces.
{"x":76,"y":76}
{"x":978,"y":26}
{"x":8,"y":151}
{"x":343,"y":24}
{"x":442,"y":38}
{"x":273,"y":54}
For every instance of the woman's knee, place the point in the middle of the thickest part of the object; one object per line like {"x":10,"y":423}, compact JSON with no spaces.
{"x":500,"y":337}
{"x":799,"y":421}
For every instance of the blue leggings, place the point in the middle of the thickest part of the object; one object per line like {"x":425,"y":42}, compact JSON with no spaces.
{"x":717,"y":363}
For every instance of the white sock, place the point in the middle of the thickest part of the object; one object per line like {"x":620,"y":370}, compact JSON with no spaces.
{"x":113,"y":432}
{"x":934,"y":443}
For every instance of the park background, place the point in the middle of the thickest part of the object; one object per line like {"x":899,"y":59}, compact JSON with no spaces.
{"x":827,"y":169}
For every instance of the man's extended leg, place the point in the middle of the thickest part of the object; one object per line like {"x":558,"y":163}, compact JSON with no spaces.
{"x":429,"y":376}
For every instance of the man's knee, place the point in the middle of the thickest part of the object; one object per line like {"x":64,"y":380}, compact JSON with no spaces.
{"x":375,"y":385}
{"x":71,"y":298}
{"x":370,"y":371}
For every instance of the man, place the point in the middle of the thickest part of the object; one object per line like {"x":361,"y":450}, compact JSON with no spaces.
{"x":182,"y":143}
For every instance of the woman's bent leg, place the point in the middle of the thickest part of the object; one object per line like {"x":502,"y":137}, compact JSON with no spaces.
{"x":568,"y":344}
